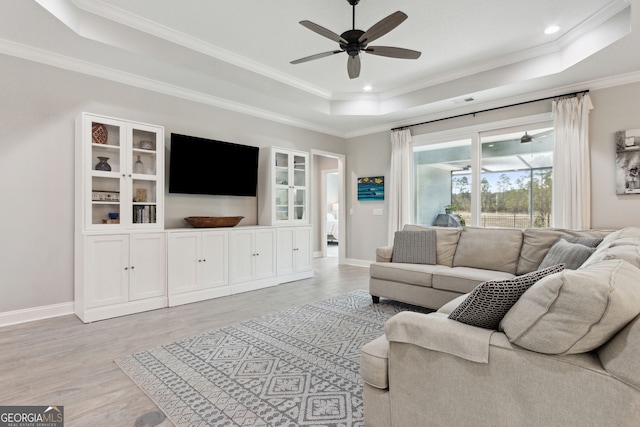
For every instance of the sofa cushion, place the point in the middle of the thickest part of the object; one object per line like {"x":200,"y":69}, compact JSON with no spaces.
{"x":374,"y":363}
{"x":489,"y":248}
{"x":446,"y":241}
{"x":537,"y":241}
{"x":414,"y":247}
{"x":464,"y":279}
{"x":413,"y":274}
{"x":619,"y":356}
{"x":487,"y":304}
{"x":575,"y":311}
{"x":626,"y":248}
{"x":572,"y":255}
{"x":384,"y":253}
{"x":452,"y":305}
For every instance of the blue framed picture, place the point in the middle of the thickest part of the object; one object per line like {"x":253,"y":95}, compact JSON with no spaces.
{"x":371,"y":188}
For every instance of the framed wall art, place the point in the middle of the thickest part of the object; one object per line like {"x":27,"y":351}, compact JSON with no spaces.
{"x":628,"y":161}
{"x":371,"y":188}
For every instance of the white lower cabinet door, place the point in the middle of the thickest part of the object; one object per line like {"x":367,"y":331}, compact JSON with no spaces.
{"x":302,"y":249}
{"x":252,"y":254}
{"x":241,"y":255}
{"x":294,"y":250}
{"x":147,"y":266}
{"x":214,"y":266}
{"x":184,"y":260}
{"x":107,"y":270}
{"x":265,"y":247}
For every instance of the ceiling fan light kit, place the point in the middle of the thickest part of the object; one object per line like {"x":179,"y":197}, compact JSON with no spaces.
{"x":355,"y":41}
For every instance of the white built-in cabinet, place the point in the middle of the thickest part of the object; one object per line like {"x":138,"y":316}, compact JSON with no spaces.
{"x":125,"y":262}
{"x":252,"y":256}
{"x":120,"y":246}
{"x":283,"y":188}
{"x":210,"y":263}
{"x":197,"y":265}
{"x":294,"y":251}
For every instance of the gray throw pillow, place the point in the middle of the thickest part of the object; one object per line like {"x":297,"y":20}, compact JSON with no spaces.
{"x":414,"y":247}
{"x":488,"y":302}
{"x":572,"y":255}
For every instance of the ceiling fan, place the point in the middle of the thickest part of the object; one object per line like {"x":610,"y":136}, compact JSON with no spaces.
{"x":355,"y":41}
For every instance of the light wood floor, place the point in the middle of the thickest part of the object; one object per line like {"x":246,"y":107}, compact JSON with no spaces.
{"x":62,"y":361}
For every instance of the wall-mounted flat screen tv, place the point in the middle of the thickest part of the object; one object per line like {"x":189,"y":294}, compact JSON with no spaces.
{"x":206,"y":166}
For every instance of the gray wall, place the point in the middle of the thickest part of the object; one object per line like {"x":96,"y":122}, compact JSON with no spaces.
{"x":368,"y":155}
{"x":615,"y":109}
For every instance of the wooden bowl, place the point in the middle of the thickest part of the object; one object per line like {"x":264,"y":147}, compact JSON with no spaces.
{"x":213,"y":221}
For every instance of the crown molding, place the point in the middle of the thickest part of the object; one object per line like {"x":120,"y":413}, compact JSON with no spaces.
{"x":72,"y":64}
{"x":112,"y":13}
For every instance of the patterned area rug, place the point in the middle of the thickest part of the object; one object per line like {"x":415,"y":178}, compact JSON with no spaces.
{"x":299,"y":367}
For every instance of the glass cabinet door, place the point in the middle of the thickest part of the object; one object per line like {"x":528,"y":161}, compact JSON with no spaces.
{"x":107,"y":166}
{"x":299,"y":187}
{"x":143,"y":158}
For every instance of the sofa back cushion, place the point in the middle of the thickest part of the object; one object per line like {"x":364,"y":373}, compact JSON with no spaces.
{"x":489,"y":248}
{"x":620,"y":355}
{"x":536,"y":242}
{"x":446,"y":241}
{"x":621,"y":244}
{"x":577,"y":310}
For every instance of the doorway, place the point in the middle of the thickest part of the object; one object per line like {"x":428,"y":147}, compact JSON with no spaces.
{"x":328,"y":203}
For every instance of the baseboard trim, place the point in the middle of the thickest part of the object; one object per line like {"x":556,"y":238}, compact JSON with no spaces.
{"x":36,"y":313}
{"x":358,"y":262}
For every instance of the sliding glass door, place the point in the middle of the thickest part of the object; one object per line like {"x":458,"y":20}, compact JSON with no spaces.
{"x":497,"y":178}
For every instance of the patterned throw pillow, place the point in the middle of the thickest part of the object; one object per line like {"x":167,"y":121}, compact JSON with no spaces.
{"x":414,"y":247}
{"x":488,"y":302}
{"x":572,"y":255}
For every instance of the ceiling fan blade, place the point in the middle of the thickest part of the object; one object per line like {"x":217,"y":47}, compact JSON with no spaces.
{"x":393,"y":52}
{"x":353,"y":66}
{"x":323,"y":32}
{"x":382,"y":27}
{"x":316,"y":56}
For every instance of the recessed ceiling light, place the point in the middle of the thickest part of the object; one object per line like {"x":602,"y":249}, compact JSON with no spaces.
{"x":367,"y":88}
{"x":551,"y":29}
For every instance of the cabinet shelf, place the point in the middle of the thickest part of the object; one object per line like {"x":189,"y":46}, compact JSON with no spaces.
{"x":144,"y":177}
{"x":143,"y":151}
{"x":105,"y":147}
{"x":105,"y":174}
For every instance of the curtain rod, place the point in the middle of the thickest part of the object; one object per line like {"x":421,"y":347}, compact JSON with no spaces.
{"x":572,"y":94}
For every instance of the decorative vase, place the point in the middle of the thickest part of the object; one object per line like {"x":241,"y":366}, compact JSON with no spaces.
{"x":138,"y":167}
{"x":102,"y":165}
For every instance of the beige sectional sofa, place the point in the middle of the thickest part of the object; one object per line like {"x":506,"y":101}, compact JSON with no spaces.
{"x":567,"y":353}
{"x":465,"y":257}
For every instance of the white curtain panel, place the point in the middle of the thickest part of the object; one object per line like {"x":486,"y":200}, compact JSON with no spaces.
{"x":571,"y":163}
{"x":400,"y":182}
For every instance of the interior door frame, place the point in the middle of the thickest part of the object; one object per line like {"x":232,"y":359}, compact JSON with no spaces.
{"x":319,"y":211}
